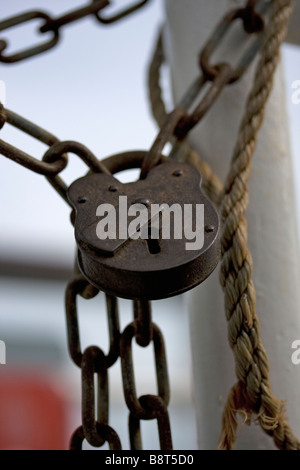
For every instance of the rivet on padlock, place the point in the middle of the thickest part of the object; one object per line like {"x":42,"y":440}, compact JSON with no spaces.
{"x":139,"y":261}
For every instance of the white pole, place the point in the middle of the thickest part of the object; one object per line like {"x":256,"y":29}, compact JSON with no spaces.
{"x":272,"y":222}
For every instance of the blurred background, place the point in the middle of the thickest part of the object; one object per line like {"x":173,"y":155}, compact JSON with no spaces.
{"x":90,"y":88}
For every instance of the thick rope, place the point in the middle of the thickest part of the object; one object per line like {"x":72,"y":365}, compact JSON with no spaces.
{"x":251,"y":396}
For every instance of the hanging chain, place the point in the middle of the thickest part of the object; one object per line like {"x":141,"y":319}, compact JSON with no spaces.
{"x":95,"y":428}
{"x":93,"y":361}
{"x":147,"y":406}
{"x":54,"y":25}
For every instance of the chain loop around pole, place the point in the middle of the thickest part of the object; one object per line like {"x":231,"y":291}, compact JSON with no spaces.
{"x":247,"y":15}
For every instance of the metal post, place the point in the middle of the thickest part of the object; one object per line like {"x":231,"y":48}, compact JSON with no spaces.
{"x":272,"y":223}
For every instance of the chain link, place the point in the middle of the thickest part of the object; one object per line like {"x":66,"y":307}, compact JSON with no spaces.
{"x":105,"y":432}
{"x":59,"y":149}
{"x":121,"y":14}
{"x":54,"y":160}
{"x":248,"y":15}
{"x":131,"y":399}
{"x":53,"y":26}
{"x":43,"y":168}
{"x":223,"y":73}
{"x":147,"y":407}
{"x":93,"y":362}
{"x":158,"y":411}
{"x":25,"y":54}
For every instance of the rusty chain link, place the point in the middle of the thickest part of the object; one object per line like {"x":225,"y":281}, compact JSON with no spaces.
{"x":54,"y":160}
{"x":32,"y":163}
{"x":93,"y":362}
{"x":146,"y":407}
{"x":53,"y":25}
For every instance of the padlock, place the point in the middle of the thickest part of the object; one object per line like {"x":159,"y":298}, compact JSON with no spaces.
{"x":149,"y":239}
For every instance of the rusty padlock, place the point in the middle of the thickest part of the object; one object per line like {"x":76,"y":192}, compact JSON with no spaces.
{"x":161,"y":233}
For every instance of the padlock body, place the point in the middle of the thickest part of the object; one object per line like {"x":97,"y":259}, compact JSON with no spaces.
{"x":130,"y":267}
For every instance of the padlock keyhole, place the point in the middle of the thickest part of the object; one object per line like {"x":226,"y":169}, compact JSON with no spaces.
{"x":152,"y":243}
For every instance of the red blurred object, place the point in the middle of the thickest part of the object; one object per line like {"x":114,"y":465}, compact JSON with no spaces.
{"x":32,"y":412}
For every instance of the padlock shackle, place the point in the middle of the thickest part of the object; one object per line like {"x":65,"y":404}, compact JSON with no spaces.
{"x":127,"y":161}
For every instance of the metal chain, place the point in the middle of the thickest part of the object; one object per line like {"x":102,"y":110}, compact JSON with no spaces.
{"x":95,"y":428}
{"x":177,"y":124}
{"x":54,"y":25}
{"x":54,"y":160}
{"x":92,"y":361}
{"x":146,"y":407}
